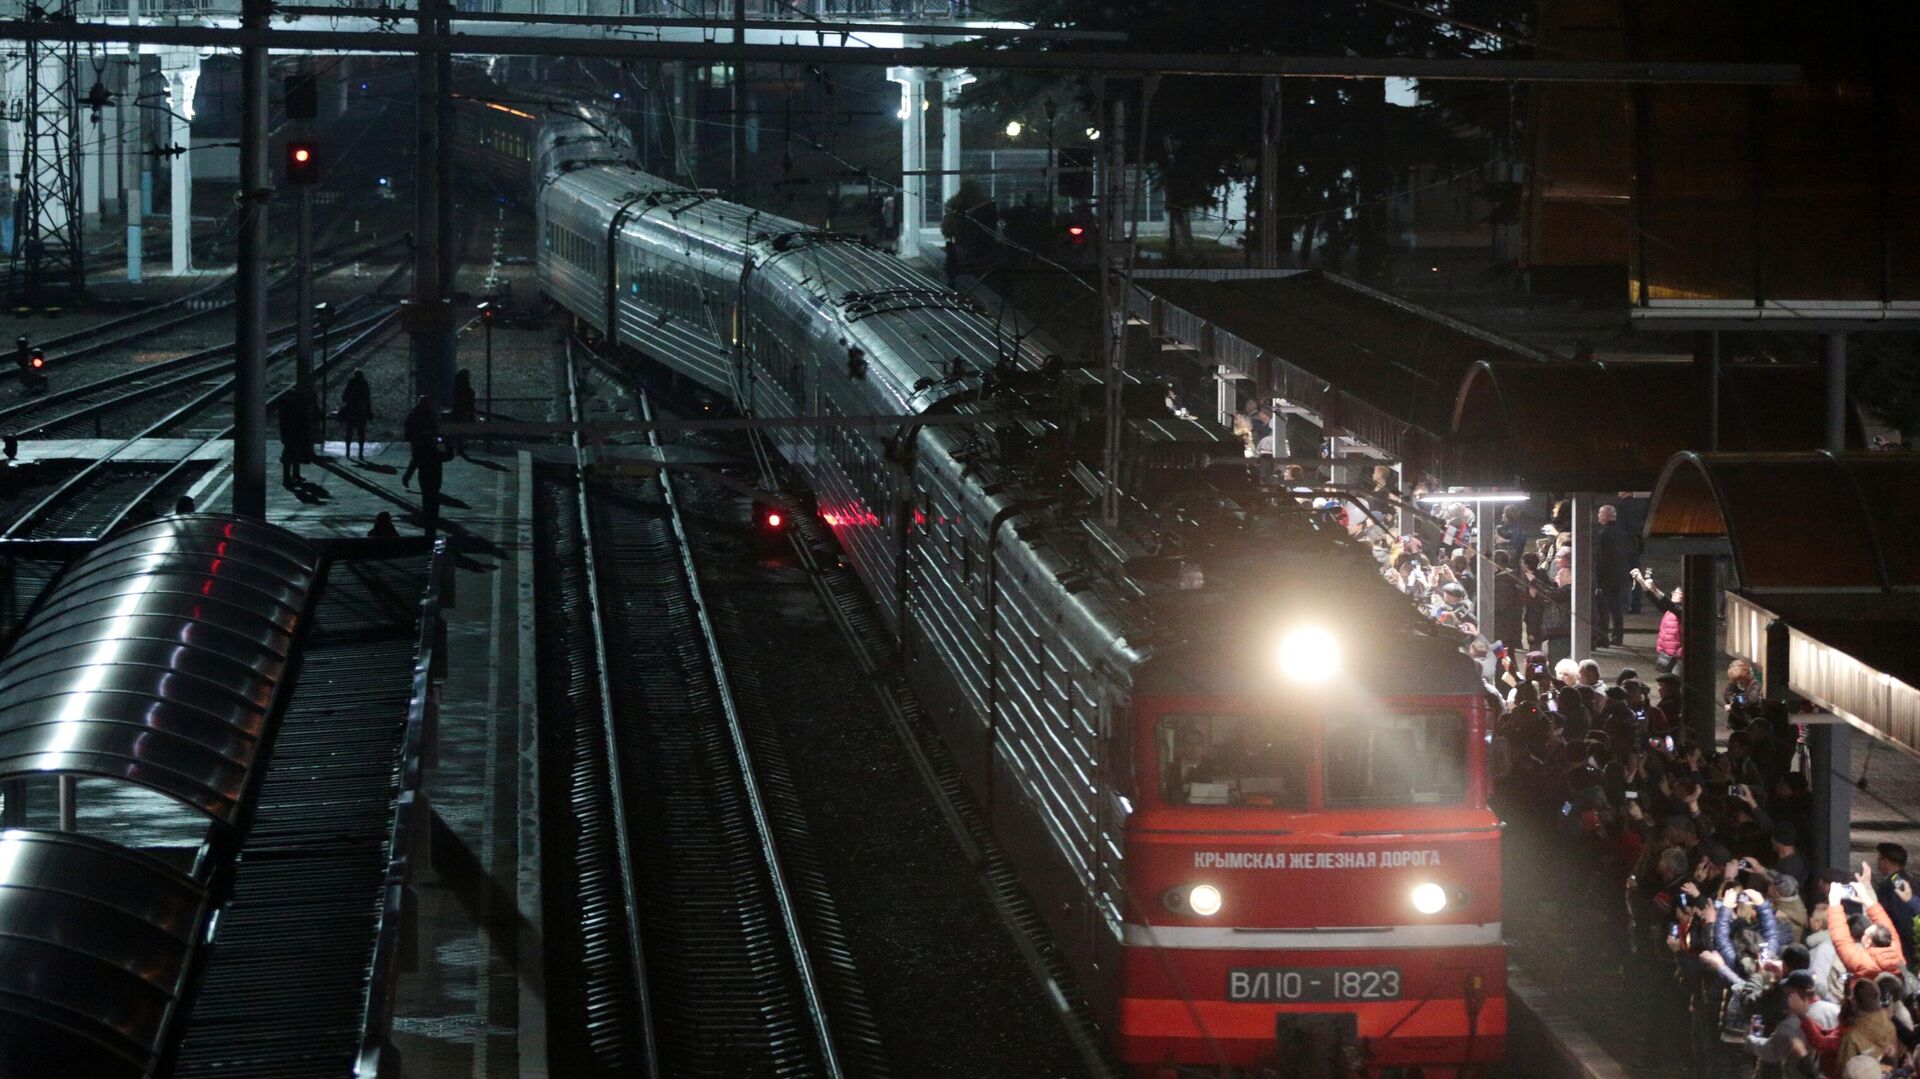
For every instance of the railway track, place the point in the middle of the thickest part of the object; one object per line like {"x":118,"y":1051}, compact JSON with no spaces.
{"x":148,"y":328}
{"x":97,"y":498}
{"x":699,"y":936}
{"x":82,"y":411}
{"x":850,"y":609}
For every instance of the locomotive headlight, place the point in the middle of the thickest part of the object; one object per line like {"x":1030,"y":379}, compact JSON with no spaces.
{"x":1308,"y":654}
{"x":1201,"y":899}
{"x":1429,"y":898}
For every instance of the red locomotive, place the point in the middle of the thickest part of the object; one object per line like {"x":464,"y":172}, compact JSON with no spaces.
{"x":1241,"y":778}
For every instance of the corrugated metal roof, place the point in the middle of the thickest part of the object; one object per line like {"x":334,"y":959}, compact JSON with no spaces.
{"x":94,"y":955}
{"x":155,"y":659}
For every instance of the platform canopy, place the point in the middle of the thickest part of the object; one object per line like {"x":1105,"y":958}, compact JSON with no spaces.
{"x":1591,"y":426}
{"x":1364,"y":362}
{"x":1827,"y":550}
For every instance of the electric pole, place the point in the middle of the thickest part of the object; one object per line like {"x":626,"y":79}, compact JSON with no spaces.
{"x":1113,"y":299}
{"x":1269,"y":173}
{"x":250,"y":279}
{"x":426,"y":316}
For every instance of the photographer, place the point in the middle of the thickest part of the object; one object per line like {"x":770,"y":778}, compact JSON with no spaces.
{"x":1877,"y":951}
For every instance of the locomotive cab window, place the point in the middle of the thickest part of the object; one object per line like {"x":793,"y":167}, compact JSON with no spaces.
{"x":1233,"y":760}
{"x":1389,"y":759}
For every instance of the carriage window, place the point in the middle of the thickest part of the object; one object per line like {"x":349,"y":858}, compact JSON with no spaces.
{"x":1391,"y":760}
{"x":1233,"y":760}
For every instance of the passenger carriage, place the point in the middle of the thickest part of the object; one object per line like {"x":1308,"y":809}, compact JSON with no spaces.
{"x":1243,"y":781}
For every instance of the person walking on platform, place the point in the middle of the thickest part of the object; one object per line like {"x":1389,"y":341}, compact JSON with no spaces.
{"x":432,"y":465}
{"x":422,"y":429}
{"x":466,"y":408}
{"x":296,"y":434}
{"x":356,"y":411}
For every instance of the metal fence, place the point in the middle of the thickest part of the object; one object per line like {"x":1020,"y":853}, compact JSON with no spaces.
{"x":1011,"y":177}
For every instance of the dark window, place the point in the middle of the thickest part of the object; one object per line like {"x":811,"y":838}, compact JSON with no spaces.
{"x":1233,"y":760}
{"x":1393,"y":759}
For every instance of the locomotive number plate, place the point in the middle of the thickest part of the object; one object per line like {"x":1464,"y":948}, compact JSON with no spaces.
{"x":1313,"y":985}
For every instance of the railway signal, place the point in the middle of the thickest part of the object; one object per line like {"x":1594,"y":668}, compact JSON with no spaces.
{"x":303,"y":164}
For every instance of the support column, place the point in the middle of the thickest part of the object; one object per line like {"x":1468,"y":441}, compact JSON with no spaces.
{"x":250,"y":280}
{"x":132,"y":163}
{"x":1835,"y":366}
{"x":180,"y":208}
{"x":951,"y":83}
{"x":343,"y":85}
{"x":13,"y":79}
{"x":1830,"y":745}
{"x":426,"y":321}
{"x":89,"y":146}
{"x":913,"y":155}
{"x":1699,"y":636}
{"x":1581,"y":594}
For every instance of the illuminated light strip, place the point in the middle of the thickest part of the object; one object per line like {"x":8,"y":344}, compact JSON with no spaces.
{"x":1485,"y":934}
{"x":497,"y":107}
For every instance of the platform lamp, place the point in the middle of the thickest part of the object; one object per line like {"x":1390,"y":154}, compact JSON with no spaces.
{"x":489,"y":312}
{"x":323,"y":317}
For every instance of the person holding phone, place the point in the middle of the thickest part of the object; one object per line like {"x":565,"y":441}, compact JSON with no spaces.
{"x":1669,"y":641}
{"x":1877,"y":951}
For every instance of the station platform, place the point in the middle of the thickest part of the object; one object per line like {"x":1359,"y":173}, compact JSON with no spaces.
{"x":471,"y":1006}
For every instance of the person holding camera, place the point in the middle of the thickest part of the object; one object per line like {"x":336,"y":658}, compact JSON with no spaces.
{"x":1669,"y":643}
{"x":1877,"y":951}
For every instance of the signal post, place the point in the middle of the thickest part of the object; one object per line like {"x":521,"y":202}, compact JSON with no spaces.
{"x":303,"y":105}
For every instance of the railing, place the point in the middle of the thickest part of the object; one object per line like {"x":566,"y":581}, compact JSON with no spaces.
{"x":411,"y":819}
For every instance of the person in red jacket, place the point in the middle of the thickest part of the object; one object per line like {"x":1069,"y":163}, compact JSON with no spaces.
{"x":1668,"y":645}
{"x":1877,"y":952}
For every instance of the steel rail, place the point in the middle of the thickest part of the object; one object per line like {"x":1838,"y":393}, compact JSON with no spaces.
{"x":840,"y":593}
{"x":64,"y":341}
{"x":190,"y":367}
{"x":1243,"y":65}
{"x":616,"y":773}
{"x":344,"y":352}
{"x":749,"y":776}
{"x":78,"y":480}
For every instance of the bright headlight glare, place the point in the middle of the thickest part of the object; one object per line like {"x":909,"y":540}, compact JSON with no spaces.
{"x":1205,"y":900}
{"x":1309,"y":654}
{"x":1429,"y":898}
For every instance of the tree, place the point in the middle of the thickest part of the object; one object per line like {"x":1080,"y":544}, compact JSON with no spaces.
{"x":1343,"y":149}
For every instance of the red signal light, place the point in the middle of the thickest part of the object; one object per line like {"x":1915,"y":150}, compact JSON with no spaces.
{"x":774,"y":519}
{"x":37,"y":361}
{"x":303,"y":165}
{"x":1076,"y":230}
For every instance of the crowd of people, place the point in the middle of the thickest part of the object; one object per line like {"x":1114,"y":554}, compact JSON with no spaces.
{"x":1808,"y":968}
